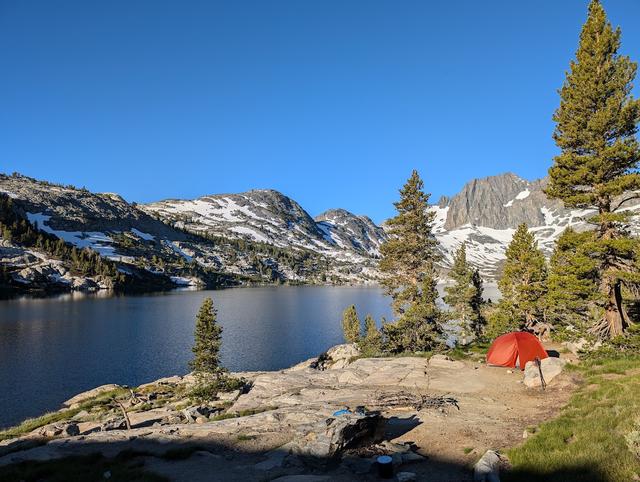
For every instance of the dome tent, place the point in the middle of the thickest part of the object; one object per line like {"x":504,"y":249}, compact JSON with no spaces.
{"x":514,"y":348}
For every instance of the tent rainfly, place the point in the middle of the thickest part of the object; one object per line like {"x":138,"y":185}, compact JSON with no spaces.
{"x":516,"y":348}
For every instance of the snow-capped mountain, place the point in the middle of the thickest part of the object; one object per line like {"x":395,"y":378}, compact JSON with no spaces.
{"x":260,"y":236}
{"x":263,"y":235}
{"x":348,"y":231}
{"x":268,"y":216}
{"x":485,"y":213}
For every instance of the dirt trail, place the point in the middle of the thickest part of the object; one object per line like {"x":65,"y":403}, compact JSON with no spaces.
{"x":495,"y":410}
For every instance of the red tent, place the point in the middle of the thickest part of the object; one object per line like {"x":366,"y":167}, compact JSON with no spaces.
{"x":516,"y":347}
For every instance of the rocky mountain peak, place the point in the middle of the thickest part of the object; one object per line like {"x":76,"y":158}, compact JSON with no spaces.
{"x":358,"y":233}
{"x":498,"y":202}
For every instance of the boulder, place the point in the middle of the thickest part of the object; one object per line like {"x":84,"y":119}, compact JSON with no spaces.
{"x":117,"y":423}
{"x":328,"y":438}
{"x":89,"y":427}
{"x":487,"y":469}
{"x":84,"y":284}
{"x":192,"y":414}
{"x":341,"y":355}
{"x":551,"y":368}
{"x":580,"y":345}
{"x":59,"y":429}
{"x":334,"y":358}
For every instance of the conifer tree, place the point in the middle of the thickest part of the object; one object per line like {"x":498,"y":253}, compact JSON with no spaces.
{"x":371,"y":343}
{"x":596,"y":126}
{"x":572,"y":282}
{"x":522,"y":285}
{"x":208,"y":340}
{"x":351,"y":325}
{"x":408,"y":261}
{"x":465,"y":295}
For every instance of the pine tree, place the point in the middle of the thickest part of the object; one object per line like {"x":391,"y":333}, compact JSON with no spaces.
{"x":408,"y":261}
{"x":208,"y":340}
{"x":522,"y":285}
{"x":596,"y":126}
{"x":465,"y":295}
{"x":420,"y":326}
{"x":351,"y":325}
{"x":573,"y":281}
{"x":371,"y":344}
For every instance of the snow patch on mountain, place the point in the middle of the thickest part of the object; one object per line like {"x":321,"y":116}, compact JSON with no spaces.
{"x":141,"y":235}
{"x":99,"y":242}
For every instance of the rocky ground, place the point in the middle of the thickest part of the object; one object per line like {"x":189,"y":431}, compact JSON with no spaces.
{"x":434,"y":416}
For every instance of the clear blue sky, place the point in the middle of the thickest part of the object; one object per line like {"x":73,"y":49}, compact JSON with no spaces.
{"x":331,"y":102}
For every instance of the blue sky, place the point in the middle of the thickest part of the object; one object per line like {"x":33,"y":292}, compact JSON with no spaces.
{"x":331,"y":102}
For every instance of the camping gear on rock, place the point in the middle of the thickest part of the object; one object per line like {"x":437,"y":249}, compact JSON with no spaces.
{"x":515,"y":348}
{"x":344,"y":411}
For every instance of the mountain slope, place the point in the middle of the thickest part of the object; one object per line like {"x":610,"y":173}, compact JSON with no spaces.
{"x":263,"y":235}
{"x":269,"y":216}
{"x":268,"y":239}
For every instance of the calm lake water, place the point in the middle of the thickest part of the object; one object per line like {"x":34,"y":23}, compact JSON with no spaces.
{"x":53,"y":348}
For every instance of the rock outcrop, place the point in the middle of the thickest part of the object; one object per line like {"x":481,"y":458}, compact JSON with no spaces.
{"x":300,"y":423}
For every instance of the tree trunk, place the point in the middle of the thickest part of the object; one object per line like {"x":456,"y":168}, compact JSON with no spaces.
{"x":615,"y":319}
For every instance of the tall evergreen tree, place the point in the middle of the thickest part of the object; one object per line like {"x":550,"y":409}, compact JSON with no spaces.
{"x":572,"y":282}
{"x":523,"y":284}
{"x":465,"y":295}
{"x":408,"y":262}
{"x":596,"y":126}
{"x":351,"y":325}
{"x":208,"y":340}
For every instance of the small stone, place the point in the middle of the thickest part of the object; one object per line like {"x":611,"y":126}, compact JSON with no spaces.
{"x":202,"y":420}
{"x":106,"y":475}
{"x":525,"y":434}
{"x":406,"y":476}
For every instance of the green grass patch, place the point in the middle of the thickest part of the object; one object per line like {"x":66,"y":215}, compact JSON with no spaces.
{"x":31,"y":424}
{"x":224,"y":383}
{"x":468,"y":450}
{"x":79,"y":469}
{"x":588,"y":441}
{"x":241,"y":413}
{"x":223,"y":416}
{"x":243,"y":438}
